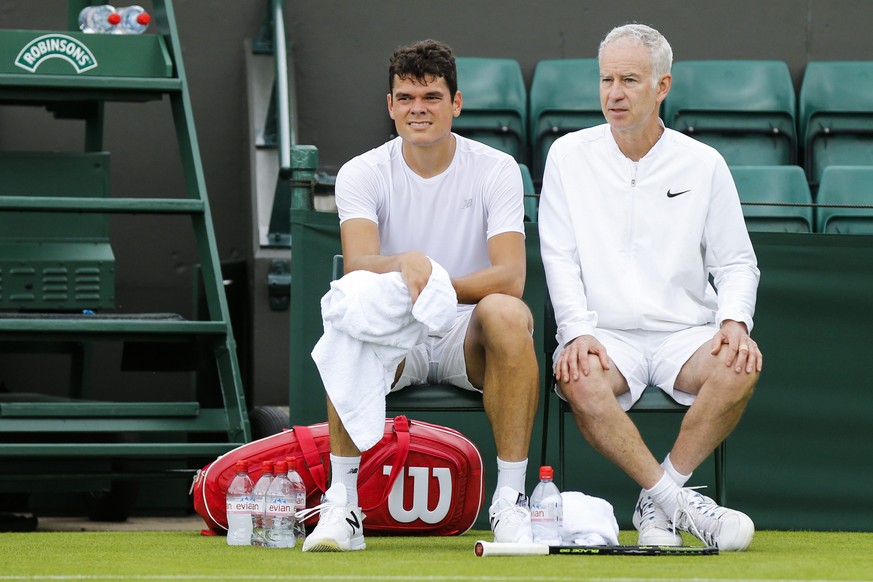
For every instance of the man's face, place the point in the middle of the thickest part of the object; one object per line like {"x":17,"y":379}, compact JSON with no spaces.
{"x":628,"y":100}
{"x":423,"y":112}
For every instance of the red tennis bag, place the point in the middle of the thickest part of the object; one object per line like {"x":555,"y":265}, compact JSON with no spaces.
{"x":420,"y":479}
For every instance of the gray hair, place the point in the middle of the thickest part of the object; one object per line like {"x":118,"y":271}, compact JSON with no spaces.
{"x":660,"y":53}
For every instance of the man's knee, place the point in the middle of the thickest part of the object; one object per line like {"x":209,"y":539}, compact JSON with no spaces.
{"x":504,"y":311}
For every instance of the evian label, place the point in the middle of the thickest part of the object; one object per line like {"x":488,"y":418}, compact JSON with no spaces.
{"x":240,"y":505}
{"x":55,"y":46}
{"x":280,"y":507}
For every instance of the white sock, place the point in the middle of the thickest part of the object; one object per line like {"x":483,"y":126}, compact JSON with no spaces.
{"x":510,"y":474}
{"x":664,"y":494}
{"x":345,"y":470}
{"x":678,"y":477}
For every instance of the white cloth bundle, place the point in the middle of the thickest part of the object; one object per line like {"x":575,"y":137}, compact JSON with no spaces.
{"x":370,"y":324}
{"x":588,"y":521}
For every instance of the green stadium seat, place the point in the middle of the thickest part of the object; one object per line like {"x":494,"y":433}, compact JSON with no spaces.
{"x":760,"y":187}
{"x":745,"y":109}
{"x":845,"y":185}
{"x":564,"y":97}
{"x":836,"y":115}
{"x":494,"y":104}
{"x":531,"y":200}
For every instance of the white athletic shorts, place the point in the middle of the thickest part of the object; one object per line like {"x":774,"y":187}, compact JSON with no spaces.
{"x":439,"y":359}
{"x":651,"y":358}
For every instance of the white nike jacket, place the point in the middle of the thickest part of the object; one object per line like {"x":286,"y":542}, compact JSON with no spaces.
{"x":631,"y":245}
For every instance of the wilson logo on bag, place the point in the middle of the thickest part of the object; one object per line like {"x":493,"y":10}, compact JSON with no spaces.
{"x":420,"y":479}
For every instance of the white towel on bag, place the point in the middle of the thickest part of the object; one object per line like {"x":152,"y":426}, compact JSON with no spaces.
{"x":370,"y":324}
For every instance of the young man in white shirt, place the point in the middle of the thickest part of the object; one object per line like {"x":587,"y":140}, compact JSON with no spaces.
{"x":634,"y":219}
{"x":432,"y":194}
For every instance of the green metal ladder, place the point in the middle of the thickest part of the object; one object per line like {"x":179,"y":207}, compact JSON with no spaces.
{"x":130,"y":69}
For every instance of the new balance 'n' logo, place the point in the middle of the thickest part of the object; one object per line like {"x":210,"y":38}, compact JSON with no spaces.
{"x":354,"y":522}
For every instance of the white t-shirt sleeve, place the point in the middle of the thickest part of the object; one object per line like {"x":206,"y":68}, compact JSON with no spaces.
{"x":360,"y":191}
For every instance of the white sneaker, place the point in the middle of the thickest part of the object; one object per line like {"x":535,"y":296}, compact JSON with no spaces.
{"x":340,"y":526}
{"x":510,"y":517}
{"x":654,"y":526}
{"x":719,"y":527}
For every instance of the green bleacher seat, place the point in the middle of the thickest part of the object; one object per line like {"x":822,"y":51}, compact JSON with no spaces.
{"x":836,"y":115}
{"x":531,"y":200}
{"x":760,"y":185}
{"x":744,"y":108}
{"x":564,"y":97}
{"x":495,"y":104}
{"x":849,"y":185}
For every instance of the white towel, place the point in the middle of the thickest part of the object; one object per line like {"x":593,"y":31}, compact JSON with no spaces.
{"x":370,"y":325}
{"x":588,"y":521}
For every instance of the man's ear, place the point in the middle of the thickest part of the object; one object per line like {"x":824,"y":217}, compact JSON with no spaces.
{"x":664,"y":87}
{"x":457,"y":104}
{"x":390,"y":106}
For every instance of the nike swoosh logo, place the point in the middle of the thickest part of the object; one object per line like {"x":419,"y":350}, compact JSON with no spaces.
{"x":674,"y":194}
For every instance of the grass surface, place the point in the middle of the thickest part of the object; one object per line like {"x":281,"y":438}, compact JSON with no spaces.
{"x":189,"y":556}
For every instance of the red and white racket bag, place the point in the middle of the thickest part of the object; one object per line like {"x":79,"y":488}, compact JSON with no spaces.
{"x":420,"y":479}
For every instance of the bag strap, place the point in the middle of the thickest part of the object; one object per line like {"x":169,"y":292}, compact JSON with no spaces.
{"x":401,"y":434}
{"x":311,"y":456}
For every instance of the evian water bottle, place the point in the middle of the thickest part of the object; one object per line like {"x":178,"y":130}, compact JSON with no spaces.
{"x":279,"y":517}
{"x":239,"y":507}
{"x":260,"y":508}
{"x":299,"y":488}
{"x":546,"y":510}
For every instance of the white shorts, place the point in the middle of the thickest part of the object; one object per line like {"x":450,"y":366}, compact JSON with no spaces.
{"x":439,"y":359}
{"x":651,"y":358}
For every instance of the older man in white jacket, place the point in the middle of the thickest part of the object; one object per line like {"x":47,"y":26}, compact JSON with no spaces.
{"x":653,"y":280}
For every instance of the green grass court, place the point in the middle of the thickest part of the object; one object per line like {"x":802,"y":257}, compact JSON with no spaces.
{"x":176,"y":555}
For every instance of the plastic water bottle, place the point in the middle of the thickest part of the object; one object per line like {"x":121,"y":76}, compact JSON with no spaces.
{"x":98,"y":19}
{"x":279,"y":517}
{"x":133,"y":20}
{"x":239,"y":507}
{"x":299,"y":488}
{"x":260,"y":507}
{"x":546,"y":510}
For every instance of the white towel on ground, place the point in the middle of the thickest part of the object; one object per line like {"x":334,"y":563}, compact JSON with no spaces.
{"x":370,"y":325}
{"x":588,"y":521}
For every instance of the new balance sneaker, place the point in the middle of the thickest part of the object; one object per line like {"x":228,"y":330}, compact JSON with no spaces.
{"x":510,"y":517}
{"x":654,"y":526}
{"x":340,"y":526}
{"x":719,"y":527}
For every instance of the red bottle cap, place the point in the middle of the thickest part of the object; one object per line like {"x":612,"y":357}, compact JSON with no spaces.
{"x":144,"y":18}
{"x":114,"y":18}
{"x":546,"y":473}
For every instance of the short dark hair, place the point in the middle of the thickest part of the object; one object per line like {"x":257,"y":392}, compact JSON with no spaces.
{"x":423,"y":59}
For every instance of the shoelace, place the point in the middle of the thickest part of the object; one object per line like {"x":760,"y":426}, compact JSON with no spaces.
{"x":708,"y":511}
{"x":650,"y":515}
{"x":305,"y":514}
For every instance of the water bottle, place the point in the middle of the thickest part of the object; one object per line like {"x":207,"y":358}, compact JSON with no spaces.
{"x":239,"y":507}
{"x":133,"y":20}
{"x":260,"y":507}
{"x":299,"y":488}
{"x":546,"y":510}
{"x":98,"y":19}
{"x":279,"y":517}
